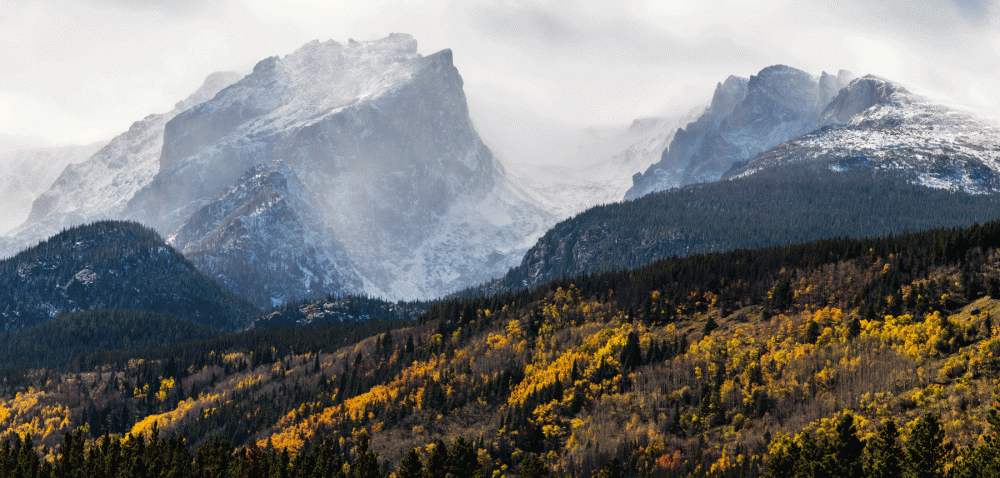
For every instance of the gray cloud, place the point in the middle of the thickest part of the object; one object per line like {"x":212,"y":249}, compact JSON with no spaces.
{"x":82,"y":70}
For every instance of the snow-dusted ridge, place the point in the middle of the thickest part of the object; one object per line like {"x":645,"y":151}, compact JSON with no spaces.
{"x":99,"y":187}
{"x":29,"y":172}
{"x":338,"y":168}
{"x":876,"y":123}
{"x":392,"y":172}
{"x":745,"y":117}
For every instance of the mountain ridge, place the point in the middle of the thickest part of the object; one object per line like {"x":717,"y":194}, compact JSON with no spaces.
{"x":112,"y":265}
{"x":745,"y":117}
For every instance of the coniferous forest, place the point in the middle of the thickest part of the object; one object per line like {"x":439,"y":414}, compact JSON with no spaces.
{"x":841,"y":357}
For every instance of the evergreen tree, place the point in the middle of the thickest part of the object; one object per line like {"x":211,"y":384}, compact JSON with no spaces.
{"x":631,"y":355}
{"x":710,"y":325}
{"x":462,"y":459}
{"x":926,"y":450}
{"x":611,"y":469}
{"x":847,"y":449}
{"x":885,"y":455}
{"x":533,"y":467}
{"x":366,"y":464}
{"x":437,"y":463}
{"x":411,"y":466}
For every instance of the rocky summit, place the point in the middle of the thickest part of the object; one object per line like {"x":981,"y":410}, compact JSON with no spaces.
{"x":336,"y":169}
{"x":745,"y":117}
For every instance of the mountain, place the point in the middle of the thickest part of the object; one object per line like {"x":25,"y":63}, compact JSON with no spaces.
{"x":112,"y":265}
{"x":29,"y":172}
{"x":876,"y":124}
{"x":745,"y":117}
{"x":880,"y":161}
{"x":394,"y":193}
{"x":336,"y":169}
{"x":99,"y":187}
{"x":773,"y":207}
{"x":263,"y":238}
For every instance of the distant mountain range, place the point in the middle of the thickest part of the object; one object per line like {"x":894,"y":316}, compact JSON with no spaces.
{"x":875,"y":160}
{"x":354,"y":169}
{"x":337,"y":169}
{"x":745,"y":117}
{"x":30,"y":171}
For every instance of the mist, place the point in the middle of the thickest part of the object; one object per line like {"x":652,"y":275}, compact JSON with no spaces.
{"x":535,"y":72}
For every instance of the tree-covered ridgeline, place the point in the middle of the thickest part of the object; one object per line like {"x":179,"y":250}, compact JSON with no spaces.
{"x":692,"y":366}
{"x":112,"y":265}
{"x":793,"y":204}
{"x":137,"y":456}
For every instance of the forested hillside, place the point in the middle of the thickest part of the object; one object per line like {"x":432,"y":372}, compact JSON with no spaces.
{"x":68,"y":339}
{"x":112,"y":265}
{"x":784,"y":205}
{"x":786,"y":361}
{"x":333,"y":310}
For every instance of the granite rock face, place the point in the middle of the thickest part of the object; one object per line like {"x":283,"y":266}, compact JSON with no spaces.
{"x":746,"y":117}
{"x":877,"y":125}
{"x":396,"y":195}
{"x":337,"y":169}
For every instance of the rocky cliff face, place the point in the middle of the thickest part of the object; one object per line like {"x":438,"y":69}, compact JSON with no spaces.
{"x":339,"y":168}
{"x":263,"y":238}
{"x":745,"y":118}
{"x":389,"y":163}
{"x":877,"y":125}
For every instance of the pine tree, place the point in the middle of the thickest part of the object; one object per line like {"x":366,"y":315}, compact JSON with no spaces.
{"x":847,"y":449}
{"x":437,"y":463}
{"x":612,"y":469}
{"x":533,"y":467}
{"x":926,"y":450}
{"x":366,"y":464}
{"x":411,"y":466}
{"x":462,"y":459}
{"x":631,"y":355}
{"x":885,"y":455}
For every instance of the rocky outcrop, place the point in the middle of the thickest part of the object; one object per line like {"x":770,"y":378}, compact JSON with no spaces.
{"x":745,"y":118}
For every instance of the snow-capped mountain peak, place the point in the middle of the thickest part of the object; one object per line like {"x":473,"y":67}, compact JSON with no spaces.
{"x":746,"y":116}
{"x":388,"y":159}
{"x":878,"y":124}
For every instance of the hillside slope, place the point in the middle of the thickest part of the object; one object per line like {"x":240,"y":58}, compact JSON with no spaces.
{"x":68,"y":338}
{"x":112,"y":265}
{"x":711,"y":365}
{"x":778,"y":206}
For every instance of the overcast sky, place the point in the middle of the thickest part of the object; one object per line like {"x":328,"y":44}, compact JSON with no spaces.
{"x":78,"y":71}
